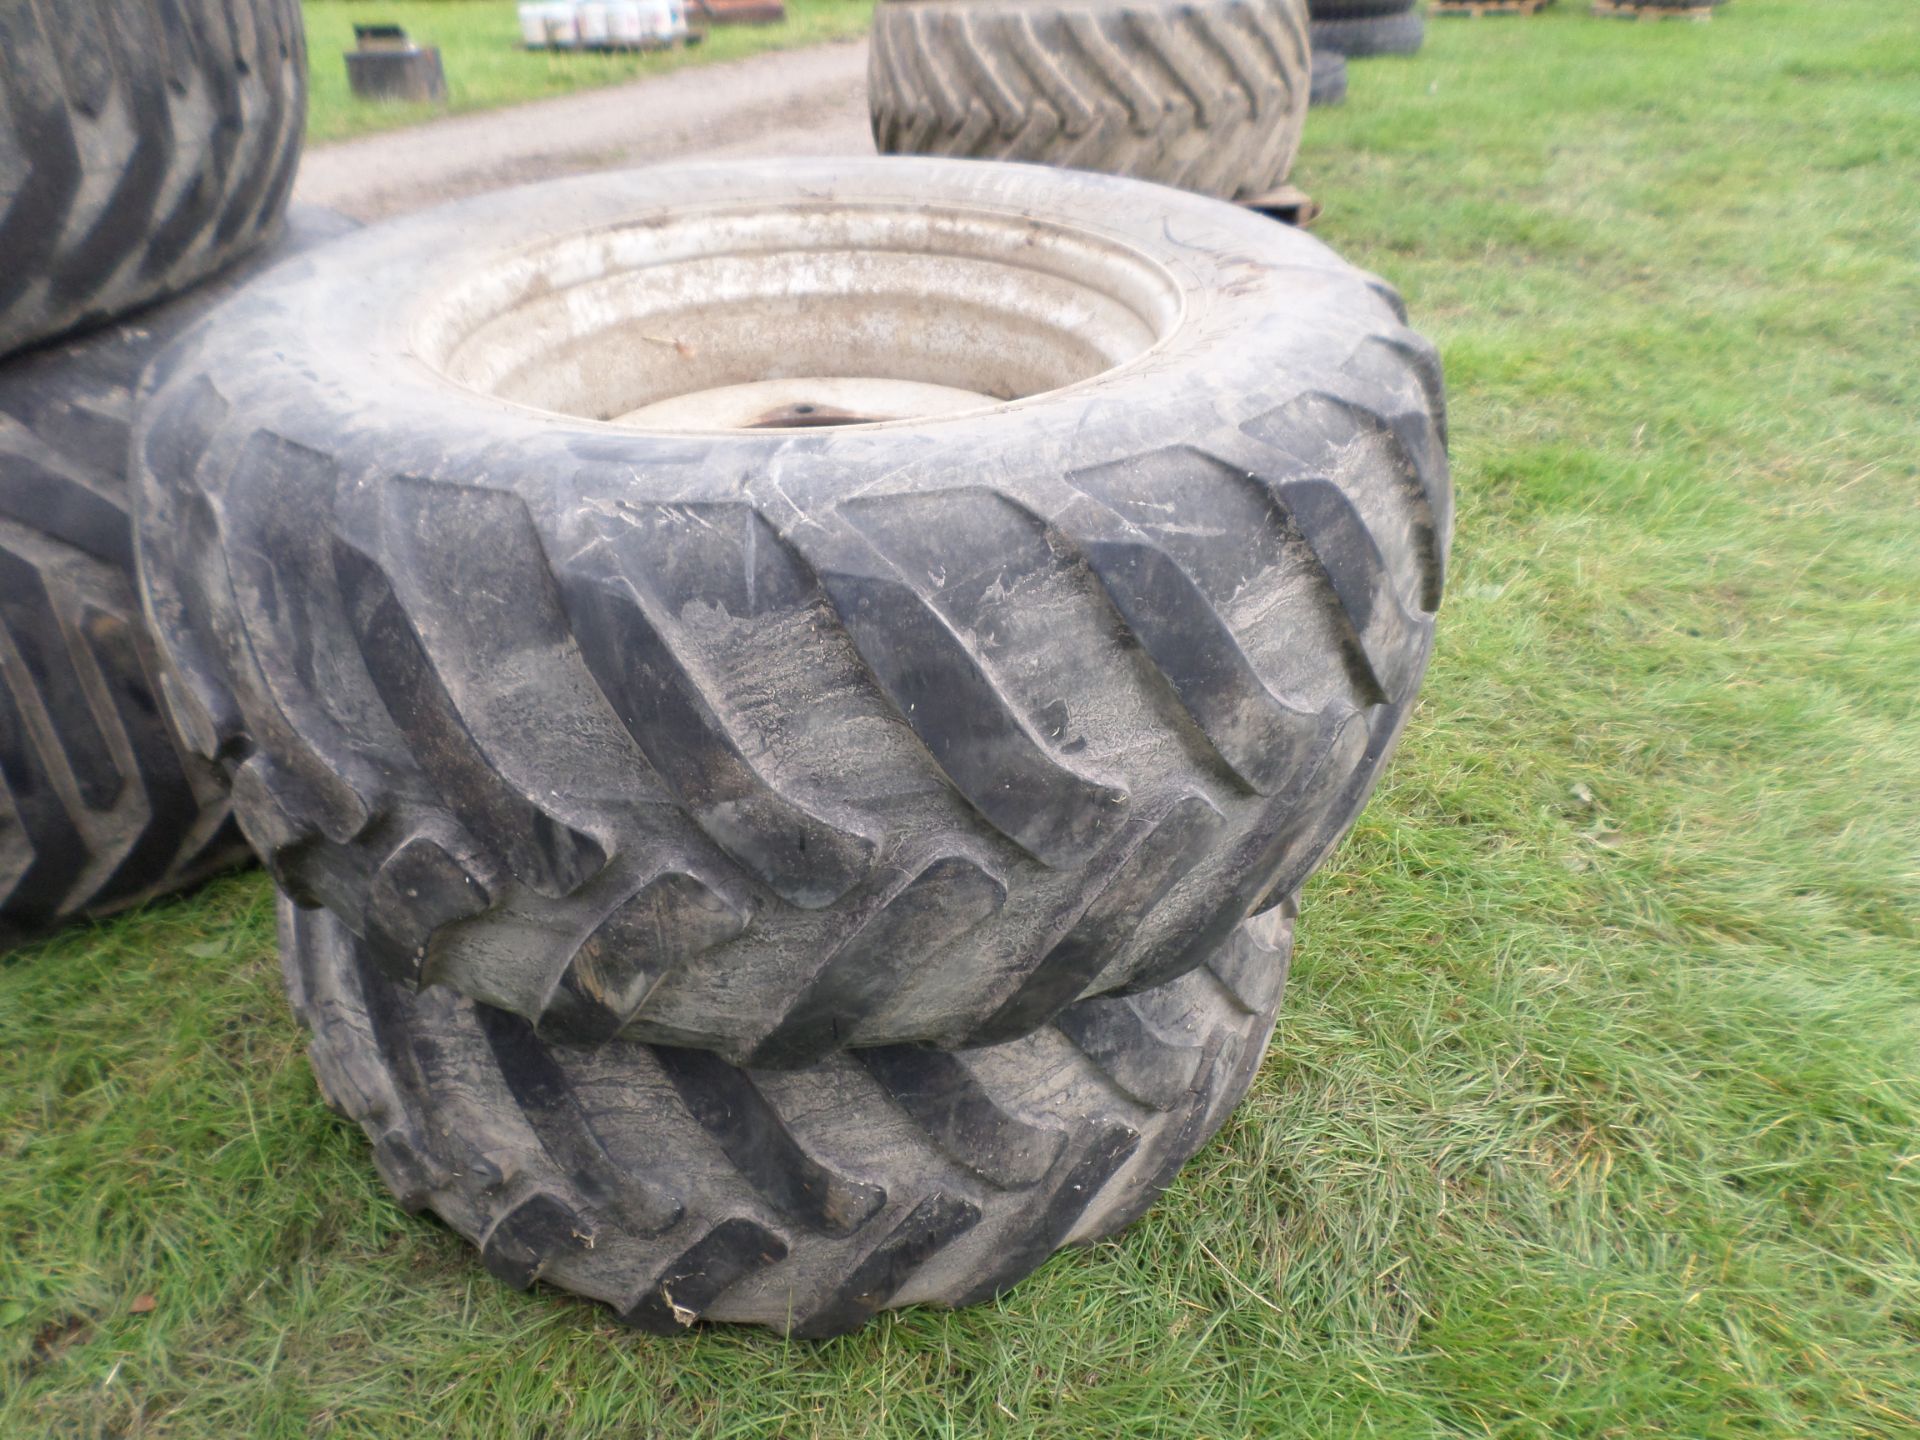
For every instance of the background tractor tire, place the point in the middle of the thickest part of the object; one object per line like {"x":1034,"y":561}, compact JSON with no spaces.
{"x":101,"y":806}
{"x":1356,"y":9}
{"x":1206,"y":95}
{"x":144,"y":144}
{"x":774,"y":741}
{"x":677,"y":1188}
{"x":1356,"y":39}
{"x":1329,"y":78}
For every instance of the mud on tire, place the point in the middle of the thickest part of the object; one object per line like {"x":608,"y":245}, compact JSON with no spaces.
{"x":144,"y":144}
{"x":776,"y":741}
{"x":676,"y":1188}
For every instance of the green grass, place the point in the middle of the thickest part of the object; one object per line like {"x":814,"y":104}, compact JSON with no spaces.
{"x":1596,"y":1108}
{"x":479,"y":44}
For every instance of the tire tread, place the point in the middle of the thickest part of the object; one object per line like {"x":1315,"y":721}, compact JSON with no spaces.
{"x":967,"y":1169}
{"x":1208,"y":96}
{"x":159,"y":140}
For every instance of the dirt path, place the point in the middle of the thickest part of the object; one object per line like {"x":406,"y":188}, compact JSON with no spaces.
{"x":793,"y":102}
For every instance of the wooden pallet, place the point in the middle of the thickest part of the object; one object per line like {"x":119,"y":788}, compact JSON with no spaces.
{"x":1477,"y":8}
{"x":1627,"y":10}
{"x":1289,"y":204}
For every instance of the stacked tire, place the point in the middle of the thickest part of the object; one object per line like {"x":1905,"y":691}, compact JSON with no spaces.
{"x":784,"y":809}
{"x":147,"y":147}
{"x":1329,"y":78}
{"x":675,"y":1187}
{"x":1360,"y":28}
{"x":1206,"y":95}
{"x":789,"y":704}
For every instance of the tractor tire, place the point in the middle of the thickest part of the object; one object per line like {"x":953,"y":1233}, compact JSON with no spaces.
{"x":101,"y":806}
{"x":1356,"y":9}
{"x":676,"y":1188}
{"x":1356,"y":39}
{"x":1329,"y":78}
{"x":1205,"y":95}
{"x":144,"y":144}
{"x":565,"y":682}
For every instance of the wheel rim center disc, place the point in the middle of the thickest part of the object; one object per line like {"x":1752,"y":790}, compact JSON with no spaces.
{"x":813,"y":402}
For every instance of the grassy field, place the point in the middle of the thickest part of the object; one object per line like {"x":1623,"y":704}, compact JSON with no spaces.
{"x":479,"y":44}
{"x":1596,"y":1108}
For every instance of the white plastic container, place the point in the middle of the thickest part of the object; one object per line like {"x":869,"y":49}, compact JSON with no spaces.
{"x":658,"y":21}
{"x":533,"y":26}
{"x":593,"y":25}
{"x":623,"y":23}
{"x":563,"y":27}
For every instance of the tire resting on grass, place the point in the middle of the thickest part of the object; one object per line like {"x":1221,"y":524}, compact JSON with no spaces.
{"x":144,"y":144}
{"x":698,"y":743}
{"x":677,"y":1188}
{"x":101,"y":805}
{"x":1207,"y":96}
{"x":1357,"y":39}
{"x":1329,"y":78}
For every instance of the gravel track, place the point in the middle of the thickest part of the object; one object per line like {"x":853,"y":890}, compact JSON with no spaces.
{"x":790,"y":102}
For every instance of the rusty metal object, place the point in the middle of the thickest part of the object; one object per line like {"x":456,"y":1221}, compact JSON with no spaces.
{"x":742,"y":12}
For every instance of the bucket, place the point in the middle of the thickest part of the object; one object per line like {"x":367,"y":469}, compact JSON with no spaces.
{"x":656,"y":19}
{"x":563,"y":26}
{"x":626,"y":22}
{"x":593,"y":25}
